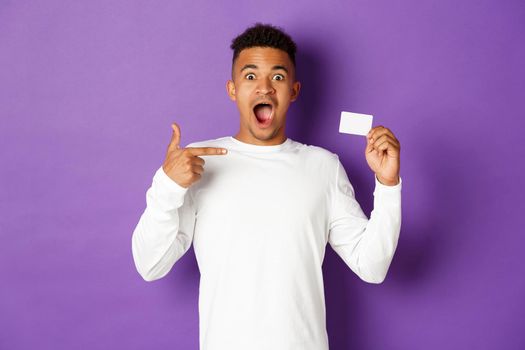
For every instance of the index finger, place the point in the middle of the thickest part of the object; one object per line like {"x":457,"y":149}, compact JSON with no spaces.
{"x":379,"y":130}
{"x":207,"y":151}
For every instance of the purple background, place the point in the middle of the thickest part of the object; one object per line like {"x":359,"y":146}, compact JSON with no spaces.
{"x":87,"y":94}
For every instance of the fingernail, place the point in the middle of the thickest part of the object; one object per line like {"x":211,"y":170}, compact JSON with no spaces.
{"x":223,"y":151}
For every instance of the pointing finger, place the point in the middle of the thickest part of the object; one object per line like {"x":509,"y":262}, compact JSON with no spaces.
{"x":206,"y":151}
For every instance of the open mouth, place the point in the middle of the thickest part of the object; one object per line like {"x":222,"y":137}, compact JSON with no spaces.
{"x":263,"y":113}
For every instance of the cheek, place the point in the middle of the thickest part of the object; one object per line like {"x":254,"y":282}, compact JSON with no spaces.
{"x":285,"y":96}
{"x":243,"y":96}
{"x":244,"y":101}
{"x":287,"y":91}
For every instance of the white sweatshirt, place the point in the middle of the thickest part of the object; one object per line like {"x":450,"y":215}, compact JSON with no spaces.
{"x":259,"y":219}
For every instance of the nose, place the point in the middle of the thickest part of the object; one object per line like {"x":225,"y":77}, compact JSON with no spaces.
{"x":265,"y":87}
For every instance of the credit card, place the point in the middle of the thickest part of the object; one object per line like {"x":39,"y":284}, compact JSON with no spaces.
{"x":355,"y":123}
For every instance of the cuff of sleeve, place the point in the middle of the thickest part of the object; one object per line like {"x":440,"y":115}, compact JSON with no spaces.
{"x":168,"y":184}
{"x":379,"y":187}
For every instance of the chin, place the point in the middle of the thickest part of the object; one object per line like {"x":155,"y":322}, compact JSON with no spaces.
{"x":265,"y":134}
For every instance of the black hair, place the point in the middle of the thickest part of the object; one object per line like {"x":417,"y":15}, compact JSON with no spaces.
{"x":264,"y":35}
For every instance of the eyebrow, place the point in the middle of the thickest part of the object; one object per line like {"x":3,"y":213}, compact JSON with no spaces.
{"x":255,"y":67}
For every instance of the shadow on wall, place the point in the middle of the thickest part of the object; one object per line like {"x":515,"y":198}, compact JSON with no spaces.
{"x":434,"y":233}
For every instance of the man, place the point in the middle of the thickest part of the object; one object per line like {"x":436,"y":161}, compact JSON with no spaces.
{"x":261,"y":213}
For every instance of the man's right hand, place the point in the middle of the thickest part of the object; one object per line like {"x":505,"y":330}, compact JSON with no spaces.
{"x":183,"y":165}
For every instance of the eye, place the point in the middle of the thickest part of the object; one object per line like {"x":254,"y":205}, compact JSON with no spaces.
{"x":250,"y":75}
{"x":278,"y":77}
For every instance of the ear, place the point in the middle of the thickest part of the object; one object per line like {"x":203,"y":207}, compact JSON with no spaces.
{"x":295,"y":90}
{"x":230,"y":89}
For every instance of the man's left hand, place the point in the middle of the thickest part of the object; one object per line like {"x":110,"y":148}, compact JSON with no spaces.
{"x":383,"y":155}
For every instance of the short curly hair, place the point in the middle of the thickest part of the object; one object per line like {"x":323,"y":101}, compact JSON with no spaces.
{"x":264,"y":35}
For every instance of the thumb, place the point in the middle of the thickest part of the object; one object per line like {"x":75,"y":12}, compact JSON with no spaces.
{"x":369,"y":146}
{"x":175,"y":137}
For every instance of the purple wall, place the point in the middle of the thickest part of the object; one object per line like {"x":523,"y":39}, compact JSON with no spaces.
{"x":87,"y":94}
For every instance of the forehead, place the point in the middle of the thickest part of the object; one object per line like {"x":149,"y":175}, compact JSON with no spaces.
{"x":263,"y":57}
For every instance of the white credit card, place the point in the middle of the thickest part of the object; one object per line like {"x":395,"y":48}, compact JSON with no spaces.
{"x":355,"y":123}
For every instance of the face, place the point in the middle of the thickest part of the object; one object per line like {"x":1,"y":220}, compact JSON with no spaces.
{"x":263,"y":85}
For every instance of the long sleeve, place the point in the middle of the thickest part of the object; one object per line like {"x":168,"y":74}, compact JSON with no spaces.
{"x":366,"y":245}
{"x":165,"y":230}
